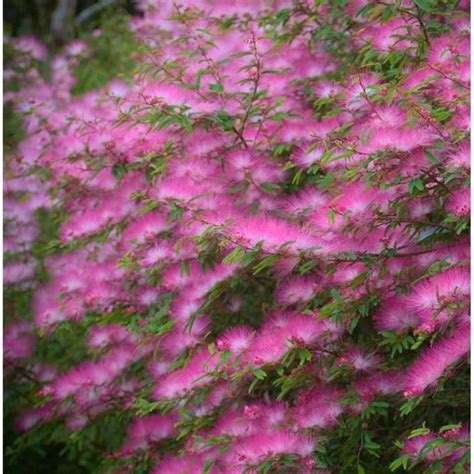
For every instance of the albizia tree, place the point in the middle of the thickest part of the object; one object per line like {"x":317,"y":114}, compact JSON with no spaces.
{"x":261,"y":255}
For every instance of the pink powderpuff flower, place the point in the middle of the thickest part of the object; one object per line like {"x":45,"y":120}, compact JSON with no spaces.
{"x":156,"y":254}
{"x":270,"y":416}
{"x":18,"y":272}
{"x":220,"y":392}
{"x":174,"y":278}
{"x":297,"y":328}
{"x":435,"y":360}
{"x":413,"y":447}
{"x":461,"y":157}
{"x":184,"y":190}
{"x":306,"y":155}
{"x":159,"y":367}
{"x":459,"y":202}
{"x":272,"y":233}
{"x":267,"y":348}
{"x":431,"y":294}
{"x":396,"y":139}
{"x":144,"y":228}
{"x":185,"y":305}
{"x":394,"y":315}
{"x":234,"y":422}
{"x":386,"y":117}
{"x":181,"y":337}
{"x":202,"y":143}
{"x":318,"y":408}
{"x":327,"y":89}
{"x":357,"y":200}
{"x":29,"y":418}
{"x":358,"y":360}
{"x":44,"y":373}
{"x":146,"y":431}
{"x":103,"y":336}
{"x":442,"y":51}
{"x":296,"y":289}
{"x":194,"y":374}
{"x":146,"y":296}
{"x":308,"y":199}
{"x":356,"y":92}
{"x":384,"y":383}
{"x":285,"y":265}
{"x":196,"y":169}
{"x":347,"y":272}
{"x":395,"y":34}
{"x":236,"y":339}
{"x":18,"y":340}
{"x":31,"y":46}
{"x":187,"y":463}
{"x":254,"y":449}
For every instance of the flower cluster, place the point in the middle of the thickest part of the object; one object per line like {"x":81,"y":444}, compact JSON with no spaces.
{"x":261,"y":235}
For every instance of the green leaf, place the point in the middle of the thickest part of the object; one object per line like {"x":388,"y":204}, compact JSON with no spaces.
{"x":418,"y":432}
{"x":415,"y":185}
{"x":266,"y":262}
{"x":449,"y":427}
{"x":218,"y":88}
{"x":199,"y":74}
{"x":402,"y":461}
{"x":207,"y":466}
{"x":425,"y":5}
{"x":260,"y":374}
{"x":235,"y":256}
{"x":118,"y":171}
{"x":363,"y":11}
{"x":270,"y":188}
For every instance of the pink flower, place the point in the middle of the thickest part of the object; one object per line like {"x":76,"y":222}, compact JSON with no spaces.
{"x":432,"y":294}
{"x":236,"y":339}
{"x":146,"y":431}
{"x":459,"y":202}
{"x":296,"y":289}
{"x":318,"y":408}
{"x":272,"y":233}
{"x":434,"y":361}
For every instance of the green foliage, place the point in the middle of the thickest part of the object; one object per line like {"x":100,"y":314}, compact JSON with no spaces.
{"x":112,"y":55}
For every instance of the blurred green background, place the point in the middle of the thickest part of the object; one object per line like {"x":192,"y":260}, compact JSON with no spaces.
{"x":57,"y":21}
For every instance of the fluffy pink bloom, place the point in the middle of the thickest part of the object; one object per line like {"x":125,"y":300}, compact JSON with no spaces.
{"x":358,"y":360}
{"x":104,"y":336}
{"x":394,"y":315}
{"x":461,"y":156}
{"x":318,"y":408}
{"x":459,"y":202}
{"x":186,"y":463}
{"x":18,"y":340}
{"x":396,"y":139}
{"x":29,"y":418}
{"x":146,"y":227}
{"x":434,"y":361}
{"x":254,"y":449}
{"x":146,"y":431}
{"x":272,"y":233}
{"x":307,"y":199}
{"x":17,"y":272}
{"x":293,"y":290}
{"x":385,"y":383}
{"x":431,"y":294}
{"x":306,"y":156}
{"x":236,"y":339}
{"x":193,"y":375}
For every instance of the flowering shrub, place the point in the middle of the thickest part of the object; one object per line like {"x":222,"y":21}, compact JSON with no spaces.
{"x":251,"y":252}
